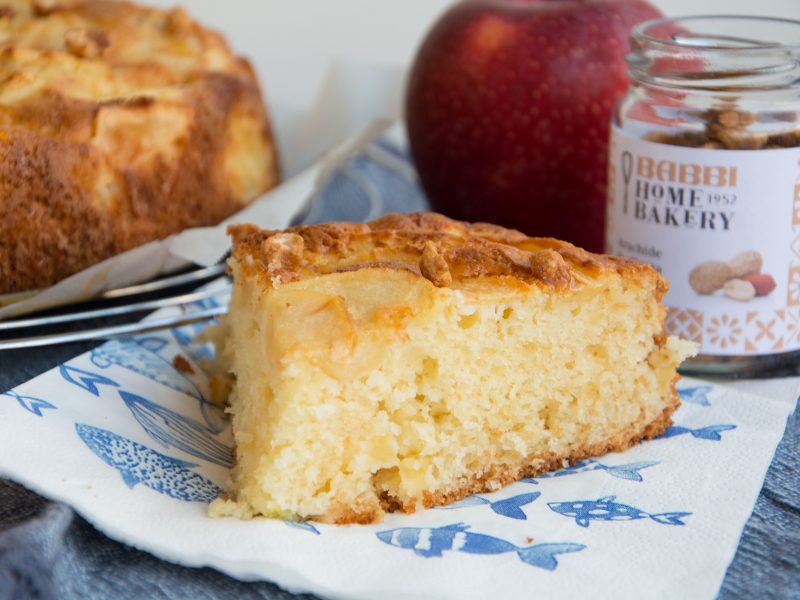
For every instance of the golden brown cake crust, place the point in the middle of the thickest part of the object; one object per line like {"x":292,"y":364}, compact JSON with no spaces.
{"x":496,"y":476}
{"x":118,"y":125}
{"x":501,"y":475}
{"x":427,"y":244}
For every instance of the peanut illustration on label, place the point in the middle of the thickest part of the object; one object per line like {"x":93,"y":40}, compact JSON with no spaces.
{"x":739,"y":289}
{"x":708,"y":277}
{"x":739,"y":279}
{"x":763,"y":283}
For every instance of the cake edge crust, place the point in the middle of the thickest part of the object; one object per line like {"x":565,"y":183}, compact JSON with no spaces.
{"x":430,"y":245}
{"x":497,"y":476}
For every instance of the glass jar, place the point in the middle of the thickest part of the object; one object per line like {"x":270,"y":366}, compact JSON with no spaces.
{"x":704,"y":184}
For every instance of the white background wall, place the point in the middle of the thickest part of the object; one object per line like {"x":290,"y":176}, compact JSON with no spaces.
{"x":291,"y":42}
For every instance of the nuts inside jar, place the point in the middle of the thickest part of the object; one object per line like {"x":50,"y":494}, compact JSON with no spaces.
{"x":726,"y":127}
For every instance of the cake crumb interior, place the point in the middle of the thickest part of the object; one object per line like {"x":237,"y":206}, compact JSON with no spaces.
{"x":371,"y":390}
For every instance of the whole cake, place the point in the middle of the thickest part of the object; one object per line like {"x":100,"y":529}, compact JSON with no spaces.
{"x":414,"y":360}
{"x":118,"y":125}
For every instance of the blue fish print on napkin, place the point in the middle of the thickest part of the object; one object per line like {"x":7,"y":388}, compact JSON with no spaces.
{"x":173,"y":429}
{"x":197,"y":352}
{"x":428,"y":542}
{"x":29,"y":403}
{"x":185,"y":334}
{"x":140,"y":356}
{"x":628,"y":471}
{"x":136,"y":357}
{"x":710,"y":432}
{"x":605,"y":509}
{"x":696,"y":395}
{"x":304,"y":525}
{"x":86,"y":380}
{"x":140,"y":464}
{"x":510,"y":507}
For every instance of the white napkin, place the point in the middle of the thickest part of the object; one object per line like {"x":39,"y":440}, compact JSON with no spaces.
{"x":129,"y":442}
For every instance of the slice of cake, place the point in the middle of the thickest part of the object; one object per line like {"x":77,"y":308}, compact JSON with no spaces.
{"x":414,"y":360}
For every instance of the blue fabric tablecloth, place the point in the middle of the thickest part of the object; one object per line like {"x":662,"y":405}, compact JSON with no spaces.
{"x":47,"y":551}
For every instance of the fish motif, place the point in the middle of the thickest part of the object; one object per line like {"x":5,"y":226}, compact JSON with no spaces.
{"x":128,"y":353}
{"x":510,"y":507}
{"x":605,"y":509}
{"x":304,"y":525}
{"x":85,"y":379}
{"x":428,"y":542}
{"x":138,"y":357}
{"x":696,"y":395}
{"x":197,"y":352}
{"x":186,"y":334}
{"x":139,"y":464}
{"x":170,"y":428}
{"x":152,"y":343}
{"x":628,"y":471}
{"x":30,"y":403}
{"x":710,"y":432}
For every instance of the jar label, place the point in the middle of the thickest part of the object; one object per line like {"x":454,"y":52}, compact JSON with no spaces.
{"x":723,"y":227}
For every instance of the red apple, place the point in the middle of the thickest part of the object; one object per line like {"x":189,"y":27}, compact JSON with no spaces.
{"x":508,"y":109}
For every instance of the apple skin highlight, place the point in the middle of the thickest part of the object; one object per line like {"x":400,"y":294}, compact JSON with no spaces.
{"x":508,"y":109}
